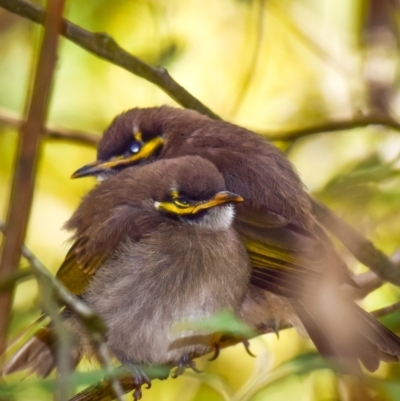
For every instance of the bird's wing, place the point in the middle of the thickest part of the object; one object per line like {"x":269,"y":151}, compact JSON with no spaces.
{"x":275,"y":221}
{"x":97,"y":241}
{"x":285,"y":256}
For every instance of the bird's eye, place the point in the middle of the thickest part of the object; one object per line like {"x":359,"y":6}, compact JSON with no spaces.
{"x":181,"y":201}
{"x":135,"y":147}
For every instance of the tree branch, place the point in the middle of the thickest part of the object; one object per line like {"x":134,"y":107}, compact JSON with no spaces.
{"x":333,"y":126}
{"x":386,"y":310}
{"x":105,"y":47}
{"x":83,"y":138}
{"x":359,"y":246}
{"x":25,"y":170}
{"x":366,"y":283}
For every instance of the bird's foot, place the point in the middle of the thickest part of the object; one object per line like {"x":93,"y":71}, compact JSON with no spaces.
{"x":186,"y":362}
{"x":140,"y":378}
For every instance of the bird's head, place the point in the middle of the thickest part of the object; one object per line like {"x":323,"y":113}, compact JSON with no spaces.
{"x":135,"y":137}
{"x":192,"y":190}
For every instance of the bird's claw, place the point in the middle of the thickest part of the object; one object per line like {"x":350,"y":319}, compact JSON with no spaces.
{"x":217,"y":350}
{"x":184,"y":363}
{"x":271,"y":326}
{"x":139,"y":379}
{"x":246,"y":344}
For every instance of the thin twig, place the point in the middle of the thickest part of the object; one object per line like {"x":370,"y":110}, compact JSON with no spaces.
{"x":92,"y":139}
{"x":83,"y":138}
{"x":25,"y":170}
{"x":9,"y":282}
{"x":359,"y":246}
{"x":367,"y":282}
{"x":105,"y":47}
{"x":386,"y":310}
{"x":102,"y":391}
{"x":64,"y":341}
{"x":333,"y":126}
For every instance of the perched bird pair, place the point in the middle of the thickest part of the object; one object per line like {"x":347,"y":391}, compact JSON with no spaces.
{"x":157,"y":243}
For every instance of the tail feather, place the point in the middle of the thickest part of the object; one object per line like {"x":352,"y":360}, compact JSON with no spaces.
{"x":348,"y":336}
{"x":36,"y":356}
{"x":387,"y":341}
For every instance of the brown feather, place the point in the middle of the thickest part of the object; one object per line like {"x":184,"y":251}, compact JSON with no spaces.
{"x":143,"y":270}
{"x":37,"y":355}
{"x":290,"y":253}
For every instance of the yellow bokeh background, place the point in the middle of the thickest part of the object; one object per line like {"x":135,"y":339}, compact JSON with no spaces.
{"x":270,"y":66}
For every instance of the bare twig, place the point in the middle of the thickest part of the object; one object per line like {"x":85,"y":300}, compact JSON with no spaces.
{"x":64,"y":355}
{"x":83,"y":138}
{"x":359,"y":246}
{"x":367,"y":282}
{"x":23,"y":187}
{"x":9,"y":281}
{"x":333,"y":126}
{"x":25,"y":170}
{"x":105,"y":47}
{"x":92,"y":139}
{"x":102,"y":391}
{"x":386,"y":310}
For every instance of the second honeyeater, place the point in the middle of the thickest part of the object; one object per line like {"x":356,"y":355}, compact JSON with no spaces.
{"x":296,"y":274}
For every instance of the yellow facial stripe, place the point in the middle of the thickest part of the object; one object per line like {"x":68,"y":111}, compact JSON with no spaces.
{"x":192,"y":207}
{"x":173,"y":208}
{"x":138,"y":136}
{"x":147,"y":150}
{"x":97,"y":167}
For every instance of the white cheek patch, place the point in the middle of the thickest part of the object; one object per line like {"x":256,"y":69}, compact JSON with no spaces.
{"x":104,"y":176}
{"x":222,"y":217}
{"x":219,"y":218}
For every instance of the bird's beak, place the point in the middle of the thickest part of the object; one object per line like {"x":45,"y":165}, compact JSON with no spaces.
{"x":101,"y":166}
{"x":219,"y":199}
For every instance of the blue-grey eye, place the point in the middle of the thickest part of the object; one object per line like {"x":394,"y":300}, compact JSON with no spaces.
{"x":183,"y":200}
{"x":135,"y":147}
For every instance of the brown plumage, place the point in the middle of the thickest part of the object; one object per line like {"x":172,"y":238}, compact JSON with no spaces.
{"x":154,"y":246}
{"x":296,"y":273}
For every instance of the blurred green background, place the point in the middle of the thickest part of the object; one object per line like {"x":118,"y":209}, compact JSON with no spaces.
{"x":269,"y":65}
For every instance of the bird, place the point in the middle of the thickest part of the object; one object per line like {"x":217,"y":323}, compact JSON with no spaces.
{"x":152,"y":247}
{"x":296,"y":274}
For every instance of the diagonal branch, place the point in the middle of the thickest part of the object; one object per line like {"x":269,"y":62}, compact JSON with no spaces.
{"x":359,"y":246}
{"x":93,"y":323}
{"x":105,"y":47}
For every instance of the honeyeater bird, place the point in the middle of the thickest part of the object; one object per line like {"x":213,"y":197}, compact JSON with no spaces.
{"x":152,"y":247}
{"x":296,"y":275}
